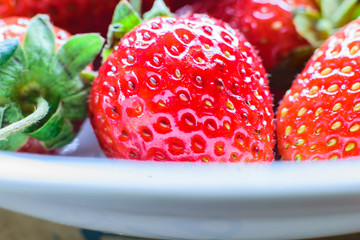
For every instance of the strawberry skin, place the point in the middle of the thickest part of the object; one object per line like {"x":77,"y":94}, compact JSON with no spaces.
{"x":266,"y":24}
{"x":183,"y":89}
{"x":11,"y":27}
{"x":319,"y":117}
{"x":76,"y":16}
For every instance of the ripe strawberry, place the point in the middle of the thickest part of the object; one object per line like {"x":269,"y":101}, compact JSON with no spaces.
{"x":16,"y":27}
{"x":183,"y":89}
{"x":267,"y":24}
{"x":41,"y":68}
{"x":319,"y":117}
{"x":285,"y":32}
{"x":76,"y":16}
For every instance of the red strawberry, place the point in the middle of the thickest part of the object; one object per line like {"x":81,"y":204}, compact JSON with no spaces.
{"x":43,"y":92}
{"x":319,"y":118}
{"x":285,"y":32}
{"x":267,"y":24}
{"x":77,"y":16}
{"x":16,"y":27}
{"x":183,"y":89}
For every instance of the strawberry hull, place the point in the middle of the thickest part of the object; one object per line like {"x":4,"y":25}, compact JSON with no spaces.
{"x":33,"y":145}
{"x":44,"y":83}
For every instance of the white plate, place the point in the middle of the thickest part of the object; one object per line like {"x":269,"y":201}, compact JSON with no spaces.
{"x":183,"y":201}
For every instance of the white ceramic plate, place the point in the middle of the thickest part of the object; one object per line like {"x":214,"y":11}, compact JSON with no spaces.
{"x":182,"y":201}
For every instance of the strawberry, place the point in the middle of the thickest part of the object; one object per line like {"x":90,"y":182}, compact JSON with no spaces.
{"x":285,"y":32}
{"x":262,"y":22}
{"x":319,"y":117}
{"x":77,"y":16}
{"x":41,"y":69}
{"x":183,"y":89}
{"x":16,"y":27}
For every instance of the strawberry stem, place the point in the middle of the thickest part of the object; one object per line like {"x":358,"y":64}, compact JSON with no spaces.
{"x":39,"y":113}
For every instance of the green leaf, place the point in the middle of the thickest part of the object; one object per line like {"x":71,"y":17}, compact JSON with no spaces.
{"x":14,"y":142}
{"x":136,"y":4}
{"x":126,"y":15}
{"x":317,"y":25}
{"x":75,"y":106}
{"x":65,"y":136}
{"x":71,"y":59}
{"x":7,"y":49}
{"x":2,"y":114}
{"x":10,"y":73}
{"x":356,"y":12}
{"x":8,"y":115}
{"x":87,"y":77}
{"x":51,"y":128}
{"x":328,"y":8}
{"x":125,"y":18}
{"x":307,"y":26}
{"x":37,"y":71}
{"x":159,"y":9}
{"x":39,"y":43}
{"x":343,"y":15}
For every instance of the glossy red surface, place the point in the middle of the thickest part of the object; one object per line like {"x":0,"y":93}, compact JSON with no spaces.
{"x":263,"y":22}
{"x":183,"y":89}
{"x":319,"y":117}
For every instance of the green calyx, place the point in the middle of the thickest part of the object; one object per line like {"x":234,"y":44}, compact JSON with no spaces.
{"x":127,"y":15}
{"x":315,"y":23}
{"x":44,"y":90}
{"x":318,"y":24}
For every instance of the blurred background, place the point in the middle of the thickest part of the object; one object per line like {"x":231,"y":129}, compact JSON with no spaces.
{"x":15,"y":226}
